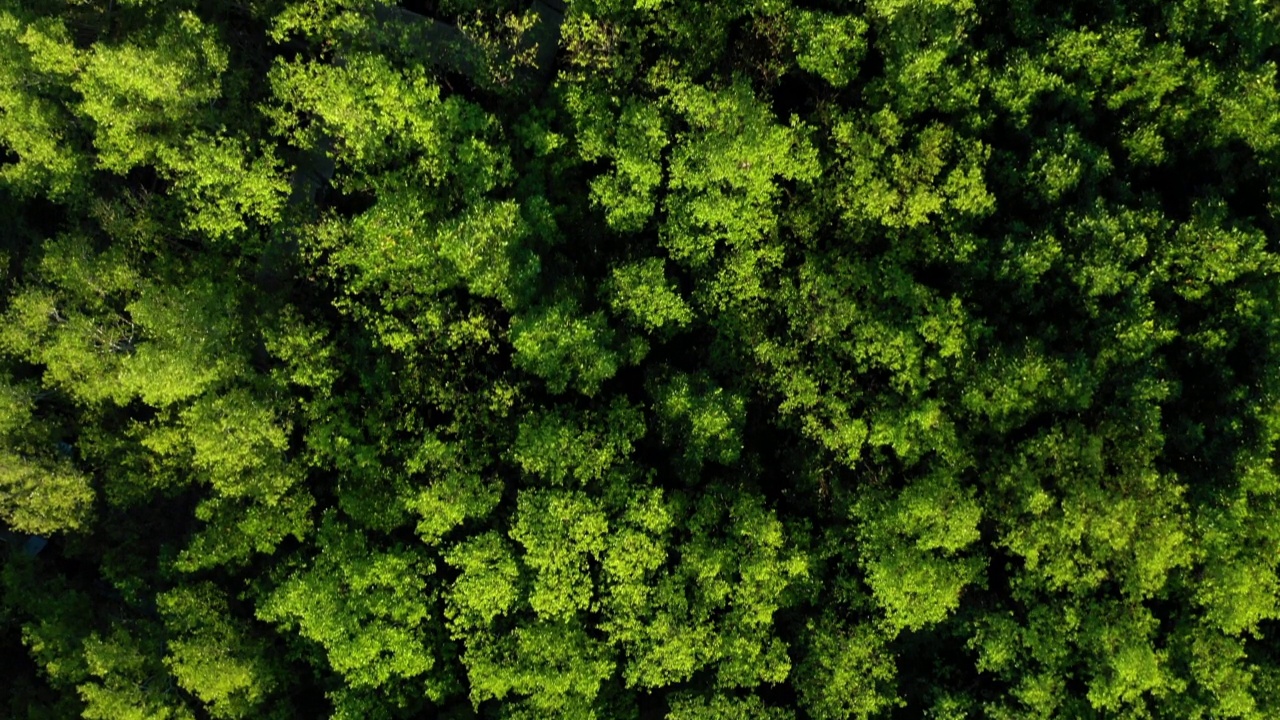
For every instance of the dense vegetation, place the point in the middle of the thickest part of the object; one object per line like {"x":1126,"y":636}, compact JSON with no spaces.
{"x":737,"y":360}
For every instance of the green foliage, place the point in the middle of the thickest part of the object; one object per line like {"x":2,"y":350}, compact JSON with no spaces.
{"x":557,"y":669}
{"x":186,"y":343}
{"x":301,"y":346}
{"x":700,"y":417}
{"x":486,"y":587}
{"x":377,"y":115}
{"x":41,"y":491}
{"x":554,"y":665}
{"x":938,"y":177}
{"x":723,"y":707}
{"x":121,"y":666}
{"x":240,"y":444}
{"x":769,"y":359}
{"x":367,"y":608}
{"x":36,"y":125}
{"x":560,"y":345}
{"x":846,"y":672}
{"x":627,"y":195}
{"x":74,"y":326}
{"x":911,"y":549}
{"x":1136,"y":536}
{"x":641,"y":292}
{"x":829,"y":46}
{"x":143,"y":100}
{"x":560,"y":531}
{"x":558,"y":446}
{"x":724,"y":170}
{"x":43,"y":496}
{"x":486,"y":249}
{"x":223,"y":181}
{"x":211,"y":655}
{"x":235,"y":529}
{"x":712,"y":609}
{"x":452,"y":500}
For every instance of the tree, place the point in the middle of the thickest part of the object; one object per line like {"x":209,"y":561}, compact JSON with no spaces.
{"x":41,"y":490}
{"x":367,"y":610}
{"x":213,"y":656}
{"x":38,"y":125}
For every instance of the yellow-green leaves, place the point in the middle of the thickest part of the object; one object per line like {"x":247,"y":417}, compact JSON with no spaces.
{"x":36,"y":125}
{"x":828,"y":45}
{"x":301,"y":346}
{"x":41,"y":491}
{"x":715,"y":607}
{"x":925,"y":53}
{"x":1208,"y":255}
{"x":636,"y":550}
{"x":325,"y":21}
{"x":450,"y":501}
{"x":372,"y":111}
{"x":558,"y":446}
{"x":122,"y":665}
{"x":367,"y":607}
{"x":380,"y":117}
{"x":1129,"y":665}
{"x":487,"y":586}
{"x":144,"y":100}
{"x":74,"y":325}
{"x":688,"y":706}
{"x":240,"y":443}
{"x":213,"y":655}
{"x":1220,"y":665}
{"x":183,"y":345}
{"x":236,"y":529}
{"x":1078,"y":525}
{"x":560,"y":532}
{"x":1249,"y":112}
{"x":642,"y":292}
{"x":937,"y":176}
{"x":1239,"y":587}
{"x":847,"y":672}
{"x":702,"y":418}
{"x":565,"y":347}
{"x":486,"y":247}
{"x":43,"y":496}
{"x":726,"y":168}
{"x":775,"y":359}
{"x":627,"y":196}
{"x":540,"y":670}
{"x":912,"y":549}
{"x":548,"y":660}
{"x":226,"y":182}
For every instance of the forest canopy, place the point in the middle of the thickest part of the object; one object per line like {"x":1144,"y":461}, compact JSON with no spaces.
{"x":640,"y":359}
